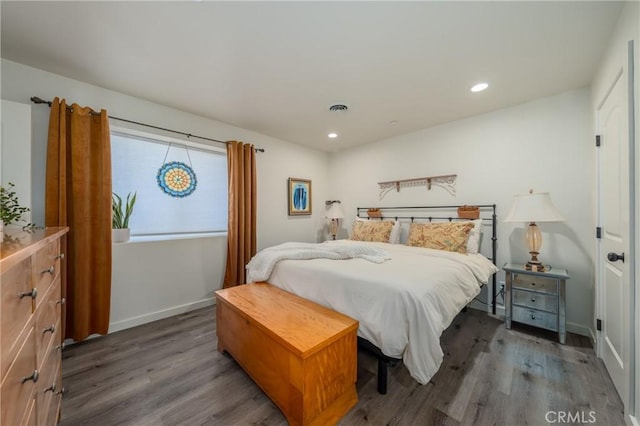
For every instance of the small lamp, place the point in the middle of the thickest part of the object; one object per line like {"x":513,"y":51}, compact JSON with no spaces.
{"x":532,"y":208}
{"x":335,"y":213}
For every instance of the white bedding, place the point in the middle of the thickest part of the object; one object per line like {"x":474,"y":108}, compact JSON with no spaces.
{"x":403,"y":304}
{"x":261,"y":265}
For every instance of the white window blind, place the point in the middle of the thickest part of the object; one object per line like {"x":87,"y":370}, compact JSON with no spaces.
{"x":135,"y":163}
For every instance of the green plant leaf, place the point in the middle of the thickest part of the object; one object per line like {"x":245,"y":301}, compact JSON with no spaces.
{"x":10,"y":209}
{"x":122,"y":211}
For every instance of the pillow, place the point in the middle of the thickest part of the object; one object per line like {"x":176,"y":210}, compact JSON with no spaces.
{"x":394,"y":238}
{"x":473,"y":243}
{"x":449,"y":236}
{"x":371,"y":230}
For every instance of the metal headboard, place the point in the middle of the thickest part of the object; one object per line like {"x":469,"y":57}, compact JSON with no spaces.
{"x":439,"y":213}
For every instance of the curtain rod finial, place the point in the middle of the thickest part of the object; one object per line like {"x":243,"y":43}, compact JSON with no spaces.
{"x":37,"y":100}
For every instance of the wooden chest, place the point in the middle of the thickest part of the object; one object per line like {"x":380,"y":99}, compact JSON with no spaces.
{"x":302,"y":355}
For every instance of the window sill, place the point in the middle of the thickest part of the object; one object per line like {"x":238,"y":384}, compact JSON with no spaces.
{"x":168,"y":237}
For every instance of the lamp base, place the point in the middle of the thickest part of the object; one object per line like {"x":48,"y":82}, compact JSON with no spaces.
{"x":333,"y":228}
{"x":535,"y":267}
{"x":534,"y":264}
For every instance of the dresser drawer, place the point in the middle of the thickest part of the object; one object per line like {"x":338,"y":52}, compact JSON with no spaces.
{"x":48,"y":321}
{"x":30,"y":417}
{"x":16,"y":310}
{"x":536,"y":318}
{"x":49,"y":401}
{"x":46,"y":267}
{"x":535,"y":283}
{"x":529,"y":299}
{"x":17,"y":391}
{"x":48,"y":388}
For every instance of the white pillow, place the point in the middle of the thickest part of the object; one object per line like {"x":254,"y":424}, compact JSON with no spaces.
{"x":394,"y":238}
{"x":473,"y":242}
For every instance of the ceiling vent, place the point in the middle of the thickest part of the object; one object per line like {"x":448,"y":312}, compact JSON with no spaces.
{"x":338,"y":107}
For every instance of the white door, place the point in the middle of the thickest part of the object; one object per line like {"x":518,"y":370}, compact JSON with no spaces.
{"x":613,"y":199}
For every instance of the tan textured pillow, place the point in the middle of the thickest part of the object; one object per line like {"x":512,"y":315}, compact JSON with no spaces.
{"x":370,"y":230}
{"x":449,"y":236}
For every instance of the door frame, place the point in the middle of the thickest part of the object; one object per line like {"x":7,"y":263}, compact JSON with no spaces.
{"x":633,"y":410}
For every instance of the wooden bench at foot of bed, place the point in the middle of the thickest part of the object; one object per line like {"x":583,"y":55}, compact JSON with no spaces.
{"x":302,"y":355}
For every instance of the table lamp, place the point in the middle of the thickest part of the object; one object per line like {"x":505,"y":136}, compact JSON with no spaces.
{"x":335,"y":213}
{"x":532,"y":208}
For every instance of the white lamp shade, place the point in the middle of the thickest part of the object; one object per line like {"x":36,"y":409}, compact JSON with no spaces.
{"x":335,"y":212}
{"x":533,"y":207}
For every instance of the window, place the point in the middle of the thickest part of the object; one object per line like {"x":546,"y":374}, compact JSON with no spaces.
{"x":136,"y":158}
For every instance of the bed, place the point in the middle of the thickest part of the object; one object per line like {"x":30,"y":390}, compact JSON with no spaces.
{"x":403,"y":296}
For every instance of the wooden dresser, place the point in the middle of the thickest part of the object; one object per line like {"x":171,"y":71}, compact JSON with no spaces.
{"x":302,"y":355}
{"x":30,"y":335}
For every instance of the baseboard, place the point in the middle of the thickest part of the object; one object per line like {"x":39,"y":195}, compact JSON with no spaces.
{"x":165,"y":313}
{"x":482,"y":307}
{"x":580,"y":329}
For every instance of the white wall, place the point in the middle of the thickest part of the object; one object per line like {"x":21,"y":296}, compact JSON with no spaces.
{"x":15,"y":154}
{"x":546,"y":145}
{"x":144,"y":281}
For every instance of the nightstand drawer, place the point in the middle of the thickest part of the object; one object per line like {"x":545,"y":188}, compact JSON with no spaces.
{"x":529,"y":299}
{"x":536,"y":318}
{"x":535,"y":283}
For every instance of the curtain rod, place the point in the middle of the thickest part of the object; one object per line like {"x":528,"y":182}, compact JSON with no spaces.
{"x":37,"y":100}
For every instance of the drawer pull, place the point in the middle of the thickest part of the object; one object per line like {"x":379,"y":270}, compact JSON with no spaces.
{"x":61,"y":346}
{"x":533,"y":299}
{"x":61,"y":391}
{"x":533,"y":317}
{"x":32,"y":294}
{"x":51,"y":388}
{"x":60,"y":256}
{"x":51,"y":269}
{"x":61,"y":301}
{"x":51,"y":329}
{"x":533,"y":284}
{"x":34,"y":376}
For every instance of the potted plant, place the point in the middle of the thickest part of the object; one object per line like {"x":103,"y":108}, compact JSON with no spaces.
{"x":10,"y":209}
{"x":121,"y":214}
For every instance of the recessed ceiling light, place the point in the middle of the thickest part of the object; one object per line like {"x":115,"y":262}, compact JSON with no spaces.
{"x":479,"y":87}
{"x":332,"y":135}
{"x":393,"y":122}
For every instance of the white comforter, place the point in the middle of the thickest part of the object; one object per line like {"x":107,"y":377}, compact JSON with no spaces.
{"x":403,"y":304}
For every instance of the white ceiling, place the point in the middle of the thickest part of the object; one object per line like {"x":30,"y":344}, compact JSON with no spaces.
{"x":276,"y":67}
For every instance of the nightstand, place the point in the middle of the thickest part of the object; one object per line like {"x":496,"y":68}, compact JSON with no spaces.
{"x":536,"y":298}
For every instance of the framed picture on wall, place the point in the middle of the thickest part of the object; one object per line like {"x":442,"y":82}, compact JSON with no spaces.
{"x":299,"y":197}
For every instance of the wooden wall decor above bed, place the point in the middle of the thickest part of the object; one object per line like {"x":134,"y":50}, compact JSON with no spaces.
{"x":447,"y":182}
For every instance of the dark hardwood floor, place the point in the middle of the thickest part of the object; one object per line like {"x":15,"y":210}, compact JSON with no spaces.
{"x":170,"y":373}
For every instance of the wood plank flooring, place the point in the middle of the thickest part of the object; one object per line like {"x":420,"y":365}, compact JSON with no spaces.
{"x":169,"y":373}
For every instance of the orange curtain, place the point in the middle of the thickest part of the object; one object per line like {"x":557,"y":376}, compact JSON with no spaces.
{"x":78,"y":195}
{"x":241,"y":233}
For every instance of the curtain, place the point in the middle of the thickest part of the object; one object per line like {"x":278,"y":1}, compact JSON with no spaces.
{"x":78,"y":195}
{"x":241,"y":233}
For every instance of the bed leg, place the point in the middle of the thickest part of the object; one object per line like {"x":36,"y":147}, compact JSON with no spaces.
{"x":382,"y":377}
